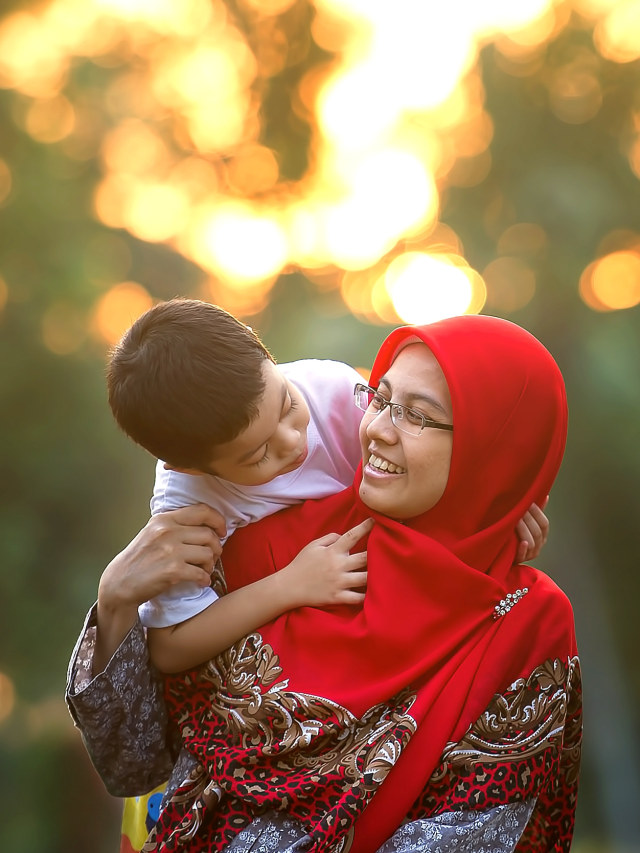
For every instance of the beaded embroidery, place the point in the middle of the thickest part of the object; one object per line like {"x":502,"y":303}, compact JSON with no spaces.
{"x":509,"y":601}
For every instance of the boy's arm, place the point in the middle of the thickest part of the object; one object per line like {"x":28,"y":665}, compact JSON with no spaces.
{"x":323,"y":573}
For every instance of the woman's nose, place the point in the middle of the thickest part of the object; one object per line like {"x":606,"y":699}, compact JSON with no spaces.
{"x":382,"y":428}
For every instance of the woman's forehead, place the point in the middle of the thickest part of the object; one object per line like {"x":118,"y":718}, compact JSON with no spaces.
{"x":415,"y":372}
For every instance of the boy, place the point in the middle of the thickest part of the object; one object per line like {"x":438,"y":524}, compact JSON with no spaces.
{"x":198,"y":390}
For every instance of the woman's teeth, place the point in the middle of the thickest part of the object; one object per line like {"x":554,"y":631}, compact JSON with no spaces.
{"x":383,"y":465}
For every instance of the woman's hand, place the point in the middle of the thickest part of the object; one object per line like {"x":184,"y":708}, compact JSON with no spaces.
{"x":533,"y":530}
{"x":175,"y":546}
{"x":180,"y":545}
{"x":325,"y":573}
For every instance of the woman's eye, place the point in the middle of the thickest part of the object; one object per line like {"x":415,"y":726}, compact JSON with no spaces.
{"x":415,"y":417}
{"x":378,"y":402}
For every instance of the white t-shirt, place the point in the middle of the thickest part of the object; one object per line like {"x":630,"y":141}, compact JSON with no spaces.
{"x":334,"y":453}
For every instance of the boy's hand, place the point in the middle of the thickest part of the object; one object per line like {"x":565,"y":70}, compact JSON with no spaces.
{"x":325,"y":573}
{"x":179,"y":545}
{"x":533,"y":530}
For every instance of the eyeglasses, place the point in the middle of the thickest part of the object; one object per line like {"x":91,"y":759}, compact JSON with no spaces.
{"x":405,"y":419}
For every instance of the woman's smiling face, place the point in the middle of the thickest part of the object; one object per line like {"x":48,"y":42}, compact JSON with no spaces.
{"x":417,"y":467}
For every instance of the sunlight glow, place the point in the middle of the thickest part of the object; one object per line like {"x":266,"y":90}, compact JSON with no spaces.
{"x":7,"y":697}
{"x":424,"y":288}
{"x":617,"y":35}
{"x":511,"y":284}
{"x":613,"y":282}
{"x":118,"y":308}
{"x":5,"y":181}
{"x":241,"y":246}
{"x":396,"y":117}
{"x":64,"y":328}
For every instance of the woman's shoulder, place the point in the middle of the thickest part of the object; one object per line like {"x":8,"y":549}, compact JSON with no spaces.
{"x":548,"y":607}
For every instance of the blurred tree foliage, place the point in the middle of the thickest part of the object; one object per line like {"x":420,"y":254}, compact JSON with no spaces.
{"x":74,"y":491}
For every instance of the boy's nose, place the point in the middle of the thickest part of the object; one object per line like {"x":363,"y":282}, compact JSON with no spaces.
{"x":288,"y":440}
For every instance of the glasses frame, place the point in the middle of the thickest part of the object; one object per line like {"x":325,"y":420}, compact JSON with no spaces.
{"x":396,"y":411}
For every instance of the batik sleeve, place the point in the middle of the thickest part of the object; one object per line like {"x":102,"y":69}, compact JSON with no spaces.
{"x":550,"y":829}
{"x":121,"y":713}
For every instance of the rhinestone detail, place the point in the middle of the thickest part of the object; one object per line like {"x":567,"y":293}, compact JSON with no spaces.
{"x":509,"y":601}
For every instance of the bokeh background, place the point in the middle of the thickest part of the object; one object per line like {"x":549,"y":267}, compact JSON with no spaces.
{"x":325,"y":169}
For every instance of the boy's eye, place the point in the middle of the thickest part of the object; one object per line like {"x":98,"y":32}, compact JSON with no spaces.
{"x":264,"y":459}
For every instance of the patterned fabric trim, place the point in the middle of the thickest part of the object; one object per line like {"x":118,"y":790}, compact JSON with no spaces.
{"x":267,"y":747}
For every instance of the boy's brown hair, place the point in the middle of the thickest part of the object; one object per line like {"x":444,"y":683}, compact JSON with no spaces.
{"x":184,"y":378}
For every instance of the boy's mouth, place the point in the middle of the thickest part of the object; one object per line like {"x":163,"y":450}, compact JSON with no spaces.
{"x":298,"y":462}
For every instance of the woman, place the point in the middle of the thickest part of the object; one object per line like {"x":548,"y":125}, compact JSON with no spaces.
{"x":423,"y":689}
{"x":455,"y":688}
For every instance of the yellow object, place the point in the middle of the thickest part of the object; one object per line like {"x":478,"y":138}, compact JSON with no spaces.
{"x":138,"y":818}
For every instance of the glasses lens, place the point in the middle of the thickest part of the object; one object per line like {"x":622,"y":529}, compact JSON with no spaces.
{"x":407,"y":420}
{"x":362,"y":397}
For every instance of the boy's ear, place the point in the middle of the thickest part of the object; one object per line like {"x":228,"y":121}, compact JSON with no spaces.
{"x":193,"y":471}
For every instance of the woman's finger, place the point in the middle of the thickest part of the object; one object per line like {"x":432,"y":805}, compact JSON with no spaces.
{"x":524,"y":531}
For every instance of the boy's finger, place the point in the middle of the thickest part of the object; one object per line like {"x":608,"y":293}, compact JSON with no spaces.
{"x":349,"y":596}
{"x":357,"y":560}
{"x":356,"y":533}
{"x":357,"y":580}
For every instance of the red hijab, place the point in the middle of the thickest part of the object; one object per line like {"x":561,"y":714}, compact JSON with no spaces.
{"x":434,"y":582}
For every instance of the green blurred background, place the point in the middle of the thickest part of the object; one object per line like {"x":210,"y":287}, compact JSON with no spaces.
{"x":535,"y":197}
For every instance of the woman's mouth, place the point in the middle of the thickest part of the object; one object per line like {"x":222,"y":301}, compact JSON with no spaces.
{"x":380,"y":464}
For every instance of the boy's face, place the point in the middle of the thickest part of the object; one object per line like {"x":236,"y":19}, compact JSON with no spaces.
{"x":274,"y":443}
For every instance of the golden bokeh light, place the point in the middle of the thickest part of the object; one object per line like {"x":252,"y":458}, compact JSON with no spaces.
{"x":240,"y":245}
{"x":5,"y":181}
{"x":397,"y":116}
{"x":49,"y":120}
{"x":424,"y":288}
{"x":253,"y":170}
{"x":575,"y":94}
{"x":511,"y":284}
{"x":155,"y":211}
{"x":523,"y":238}
{"x":4,"y":293}
{"x":612,"y":282}
{"x":31,"y":61}
{"x":134,"y":148}
{"x":270,"y":7}
{"x":356,"y":289}
{"x":634,"y":156}
{"x":7,"y":697}
{"x":617,"y":35}
{"x":506,"y":16}
{"x":110,"y":199}
{"x":382,"y":303}
{"x":118,"y":309}
{"x":64,"y":328}
{"x":242,"y":301}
